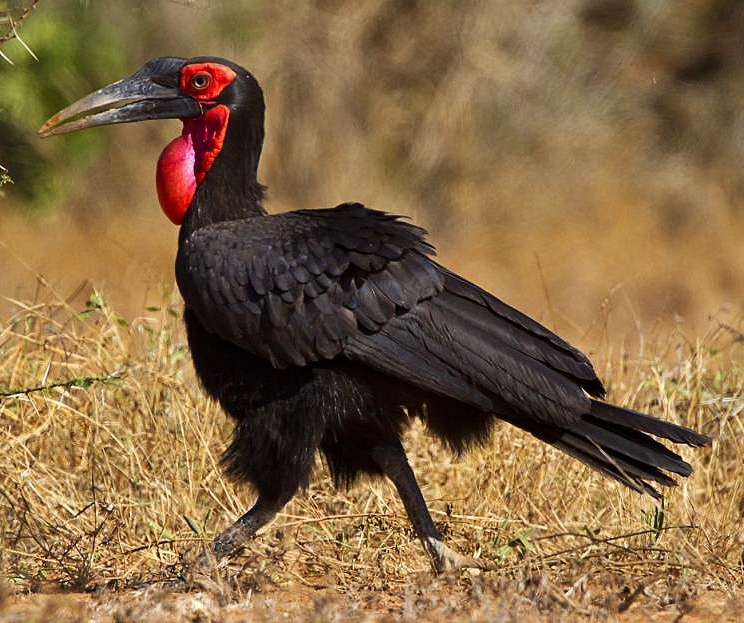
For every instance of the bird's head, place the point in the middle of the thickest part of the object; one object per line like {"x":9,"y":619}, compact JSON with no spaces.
{"x":208,"y":95}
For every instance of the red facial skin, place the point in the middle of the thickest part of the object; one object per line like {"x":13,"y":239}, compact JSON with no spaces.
{"x":186,"y":160}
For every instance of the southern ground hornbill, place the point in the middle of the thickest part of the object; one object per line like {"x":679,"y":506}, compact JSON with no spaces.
{"x":329,"y":329}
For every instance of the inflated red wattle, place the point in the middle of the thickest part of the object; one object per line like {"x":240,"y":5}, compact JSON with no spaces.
{"x":186,"y":160}
{"x":174,"y":178}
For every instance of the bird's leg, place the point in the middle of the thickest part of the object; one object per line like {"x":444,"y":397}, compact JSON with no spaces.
{"x":231,"y":540}
{"x":393,"y":462}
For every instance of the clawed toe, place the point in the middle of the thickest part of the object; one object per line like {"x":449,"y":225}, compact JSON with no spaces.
{"x":445,"y":559}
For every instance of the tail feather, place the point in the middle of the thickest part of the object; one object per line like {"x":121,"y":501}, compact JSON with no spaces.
{"x":615,"y":441}
{"x":618,"y":441}
{"x":630,"y":473}
{"x":647,"y":424}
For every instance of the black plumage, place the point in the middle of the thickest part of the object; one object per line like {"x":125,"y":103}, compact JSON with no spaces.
{"x":328,"y":330}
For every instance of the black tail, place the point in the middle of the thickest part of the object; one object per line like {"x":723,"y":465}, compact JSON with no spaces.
{"x":616,"y":442}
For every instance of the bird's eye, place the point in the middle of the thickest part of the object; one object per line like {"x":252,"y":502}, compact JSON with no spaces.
{"x":200,"y":81}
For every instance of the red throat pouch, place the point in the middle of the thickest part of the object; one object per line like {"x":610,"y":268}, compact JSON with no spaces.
{"x":187,"y":159}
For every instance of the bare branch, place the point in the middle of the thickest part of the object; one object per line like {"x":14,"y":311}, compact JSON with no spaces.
{"x":12,"y":30}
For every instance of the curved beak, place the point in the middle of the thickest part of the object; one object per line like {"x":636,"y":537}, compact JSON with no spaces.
{"x":150,"y":93}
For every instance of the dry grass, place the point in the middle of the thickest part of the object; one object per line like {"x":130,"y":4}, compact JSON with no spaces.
{"x":110,"y":482}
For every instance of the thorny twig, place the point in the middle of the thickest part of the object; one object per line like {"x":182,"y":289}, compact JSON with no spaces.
{"x":12,"y":32}
{"x":84,"y":381}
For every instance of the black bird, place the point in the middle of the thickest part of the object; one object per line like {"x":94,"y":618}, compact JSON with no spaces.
{"x":330,"y":329}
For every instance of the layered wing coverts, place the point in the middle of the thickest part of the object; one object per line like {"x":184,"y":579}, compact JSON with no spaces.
{"x":294,"y":287}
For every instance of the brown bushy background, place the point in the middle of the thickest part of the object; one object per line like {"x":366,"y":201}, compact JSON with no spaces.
{"x":580,"y":159}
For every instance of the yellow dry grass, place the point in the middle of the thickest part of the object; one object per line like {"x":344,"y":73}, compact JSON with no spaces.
{"x":110,"y":482}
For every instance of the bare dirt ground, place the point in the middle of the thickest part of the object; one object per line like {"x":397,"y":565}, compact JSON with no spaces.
{"x":425,"y":600}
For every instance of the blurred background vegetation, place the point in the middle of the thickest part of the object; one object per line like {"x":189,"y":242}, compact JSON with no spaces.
{"x":579,"y":158}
